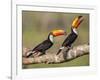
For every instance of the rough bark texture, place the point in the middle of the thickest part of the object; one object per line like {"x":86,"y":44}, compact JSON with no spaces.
{"x":63,"y":56}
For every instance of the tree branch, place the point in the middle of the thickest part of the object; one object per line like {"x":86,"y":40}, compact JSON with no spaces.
{"x":63,"y":56}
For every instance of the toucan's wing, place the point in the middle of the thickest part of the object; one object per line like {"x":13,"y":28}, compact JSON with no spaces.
{"x":70,"y":39}
{"x":43,"y":46}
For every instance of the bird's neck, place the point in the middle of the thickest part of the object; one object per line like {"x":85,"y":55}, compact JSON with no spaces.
{"x":51,"y":38}
{"x":74,"y":30}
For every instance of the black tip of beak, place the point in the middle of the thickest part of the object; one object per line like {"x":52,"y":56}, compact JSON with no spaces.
{"x":80,"y":16}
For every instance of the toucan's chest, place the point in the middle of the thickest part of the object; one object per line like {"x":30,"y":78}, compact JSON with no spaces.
{"x":70,"y":39}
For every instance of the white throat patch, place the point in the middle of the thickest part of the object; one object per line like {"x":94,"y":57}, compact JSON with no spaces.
{"x":75,"y":31}
{"x":51,"y":38}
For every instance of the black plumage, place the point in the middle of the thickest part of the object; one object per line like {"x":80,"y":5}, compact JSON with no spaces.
{"x":73,"y":35}
{"x":42,"y":47}
{"x":69,"y":40}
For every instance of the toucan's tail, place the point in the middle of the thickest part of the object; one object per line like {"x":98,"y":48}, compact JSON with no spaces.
{"x":60,"y":50}
{"x":29,"y":53}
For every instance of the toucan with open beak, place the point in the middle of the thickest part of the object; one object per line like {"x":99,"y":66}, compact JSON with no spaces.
{"x":73,"y":35}
{"x":45,"y":45}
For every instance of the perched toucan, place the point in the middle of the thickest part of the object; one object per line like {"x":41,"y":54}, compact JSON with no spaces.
{"x":45,"y":45}
{"x":73,"y":35}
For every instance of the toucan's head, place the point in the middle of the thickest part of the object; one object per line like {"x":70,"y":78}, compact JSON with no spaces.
{"x":58,"y":32}
{"x":76,"y":22}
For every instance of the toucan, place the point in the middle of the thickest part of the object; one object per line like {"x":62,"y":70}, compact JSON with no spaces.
{"x":46,"y":44}
{"x":73,"y":35}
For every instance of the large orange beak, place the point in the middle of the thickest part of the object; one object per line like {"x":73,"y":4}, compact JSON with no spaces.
{"x":58,"y":32}
{"x":76,"y":22}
